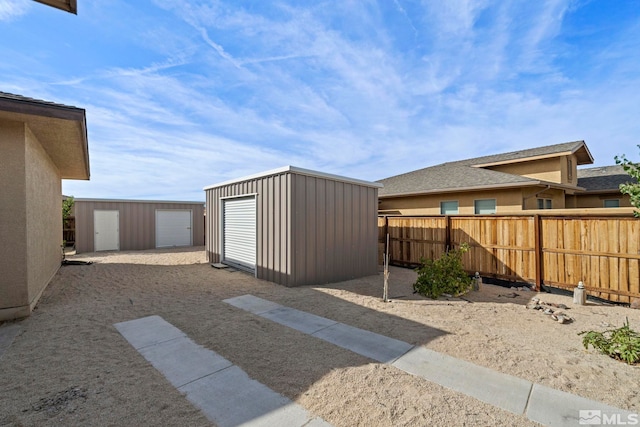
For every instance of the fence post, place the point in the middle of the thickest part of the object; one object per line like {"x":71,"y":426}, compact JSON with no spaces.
{"x":387,"y":243}
{"x":447,"y":233}
{"x":538,"y":251}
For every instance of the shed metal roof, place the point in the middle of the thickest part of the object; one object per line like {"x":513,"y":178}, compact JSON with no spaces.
{"x":182,"y":202}
{"x":298,"y":171}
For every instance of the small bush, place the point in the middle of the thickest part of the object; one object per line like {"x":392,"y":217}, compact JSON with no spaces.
{"x":622,"y":343}
{"x":444,"y":275}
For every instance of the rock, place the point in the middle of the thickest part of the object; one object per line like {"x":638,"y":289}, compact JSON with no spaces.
{"x":635,"y":303}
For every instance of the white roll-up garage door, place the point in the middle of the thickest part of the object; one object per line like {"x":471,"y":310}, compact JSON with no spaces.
{"x":239,"y":232}
{"x":173,"y":228}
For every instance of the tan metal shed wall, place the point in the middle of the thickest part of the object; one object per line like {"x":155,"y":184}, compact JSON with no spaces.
{"x":335,"y":230}
{"x":273,"y":217}
{"x":137,"y":222}
{"x":310,"y":230}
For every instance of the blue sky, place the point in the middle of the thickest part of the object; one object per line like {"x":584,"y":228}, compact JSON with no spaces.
{"x":181,"y":95}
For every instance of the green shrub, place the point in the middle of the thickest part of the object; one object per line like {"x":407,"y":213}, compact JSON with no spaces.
{"x":622,"y":343}
{"x":444,"y":275}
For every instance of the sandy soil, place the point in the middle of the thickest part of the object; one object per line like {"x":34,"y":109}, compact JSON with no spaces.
{"x":69,"y":365}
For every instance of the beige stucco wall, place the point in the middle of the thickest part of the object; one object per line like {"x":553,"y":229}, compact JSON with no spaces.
{"x":31,"y":228}
{"x":13,"y":227}
{"x":44,"y":217}
{"x":597,"y":200}
{"x":532,"y":195}
{"x":508,"y":200}
{"x":569,"y":169}
{"x":543,"y":169}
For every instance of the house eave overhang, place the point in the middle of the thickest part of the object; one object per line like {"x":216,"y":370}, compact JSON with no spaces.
{"x":533,"y":183}
{"x":70,"y":6}
{"x":60,"y":129}
{"x":611,"y":191}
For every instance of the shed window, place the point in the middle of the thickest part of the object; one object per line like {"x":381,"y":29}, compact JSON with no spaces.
{"x":544,"y":203}
{"x":449,"y":208}
{"x":612,"y":203}
{"x":484,"y":206}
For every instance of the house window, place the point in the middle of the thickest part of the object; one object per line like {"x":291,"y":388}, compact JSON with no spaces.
{"x":449,"y":208}
{"x":544,"y":203}
{"x":484,"y":206}
{"x":612,"y":203}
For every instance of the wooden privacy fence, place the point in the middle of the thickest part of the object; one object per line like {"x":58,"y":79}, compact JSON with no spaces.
{"x":558,"y":251}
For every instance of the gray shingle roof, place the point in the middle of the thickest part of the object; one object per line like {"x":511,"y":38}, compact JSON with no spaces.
{"x":531,"y":152}
{"x":603,"y":178}
{"x":463,"y":174}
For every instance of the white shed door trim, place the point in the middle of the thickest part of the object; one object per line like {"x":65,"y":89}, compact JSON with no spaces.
{"x":239,"y":232}
{"x":106,"y":230}
{"x":174,"y":228}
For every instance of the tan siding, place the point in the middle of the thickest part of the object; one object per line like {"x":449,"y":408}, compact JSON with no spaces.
{"x":597,"y":200}
{"x":137,"y":222}
{"x":32,"y":220}
{"x":13,"y":227}
{"x":544,"y":169}
{"x":44,"y":217}
{"x":508,"y":200}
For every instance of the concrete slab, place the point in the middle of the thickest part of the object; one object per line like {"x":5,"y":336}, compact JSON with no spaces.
{"x":148,"y":331}
{"x":8,"y":332}
{"x":252,"y":304}
{"x":541,"y":404}
{"x":299,"y":320}
{"x":183,"y":361}
{"x":498,"y":389}
{"x":224,"y":392}
{"x":552,"y":407}
{"x":366,"y":343}
{"x":230,"y":398}
{"x":219,"y":265}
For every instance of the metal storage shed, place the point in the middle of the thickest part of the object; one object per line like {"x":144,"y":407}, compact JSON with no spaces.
{"x":294,"y":226}
{"x":103,"y":224}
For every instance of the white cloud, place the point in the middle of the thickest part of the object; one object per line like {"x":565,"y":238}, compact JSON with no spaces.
{"x":12,"y":9}
{"x":363,"y":89}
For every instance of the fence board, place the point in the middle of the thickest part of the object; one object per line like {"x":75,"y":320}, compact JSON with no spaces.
{"x":603,"y":252}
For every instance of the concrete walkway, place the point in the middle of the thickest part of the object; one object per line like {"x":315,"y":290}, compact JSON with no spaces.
{"x":541,"y":404}
{"x":221,"y":390}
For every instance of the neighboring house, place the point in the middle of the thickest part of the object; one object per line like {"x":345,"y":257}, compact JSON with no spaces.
{"x":41,"y":143}
{"x":538,"y":178}
{"x":602,"y":185}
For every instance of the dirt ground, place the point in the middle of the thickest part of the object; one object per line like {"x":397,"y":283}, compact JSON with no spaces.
{"x":69,"y":366}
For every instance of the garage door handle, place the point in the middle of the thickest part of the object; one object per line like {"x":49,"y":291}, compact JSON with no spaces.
{"x":188,"y":228}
